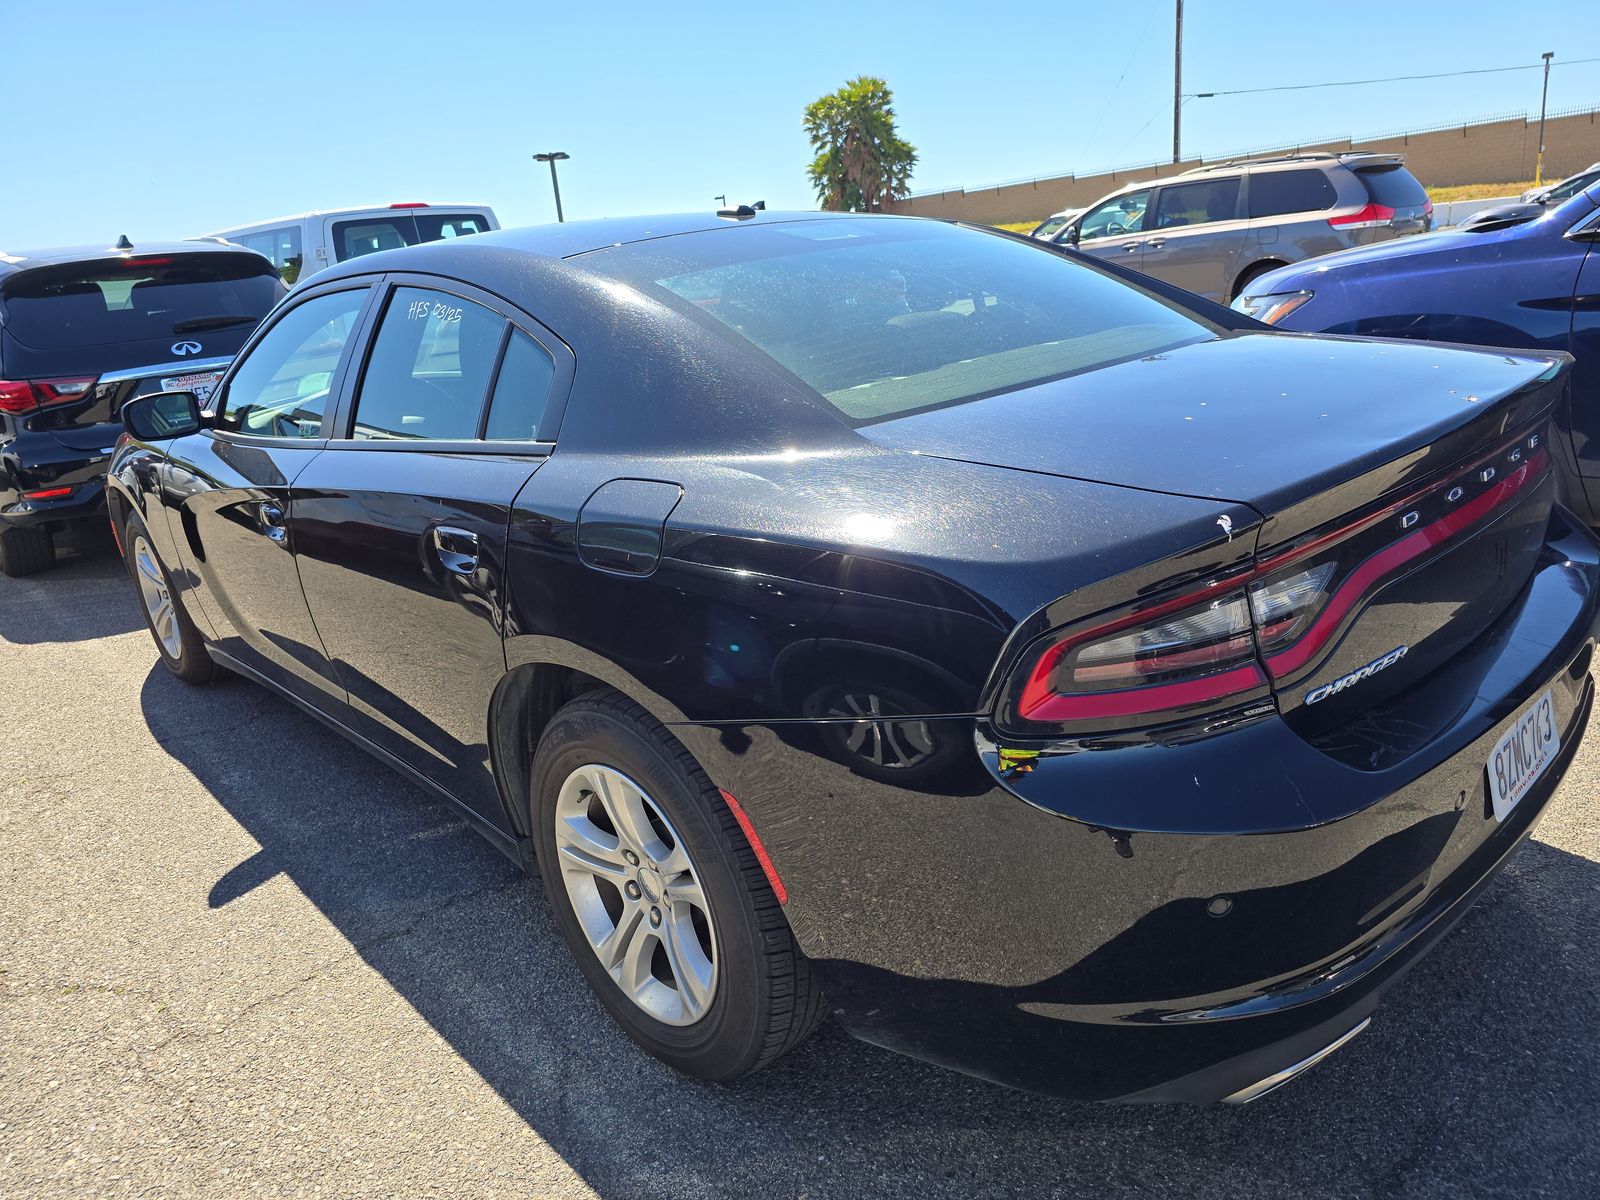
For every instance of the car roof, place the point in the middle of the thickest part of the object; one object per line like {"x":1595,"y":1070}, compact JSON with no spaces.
{"x":357,"y":208}
{"x":11,"y":263}
{"x":573,"y":238}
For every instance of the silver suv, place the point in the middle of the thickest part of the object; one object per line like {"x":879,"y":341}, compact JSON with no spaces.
{"x":1214,"y":229}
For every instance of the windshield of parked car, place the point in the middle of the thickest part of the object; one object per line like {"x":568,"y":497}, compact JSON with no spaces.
{"x":885,"y":317}
{"x":111,"y":301}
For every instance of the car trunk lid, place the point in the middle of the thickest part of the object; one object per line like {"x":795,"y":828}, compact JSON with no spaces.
{"x":1406,"y":486}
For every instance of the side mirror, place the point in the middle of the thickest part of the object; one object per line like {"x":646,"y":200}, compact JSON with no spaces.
{"x":1071,"y":234}
{"x":161,"y":416}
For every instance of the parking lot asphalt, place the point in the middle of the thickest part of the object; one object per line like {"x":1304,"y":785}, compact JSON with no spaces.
{"x":239,"y":958}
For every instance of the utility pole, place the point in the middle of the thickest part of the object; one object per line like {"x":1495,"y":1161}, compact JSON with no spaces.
{"x":1177,"y":88}
{"x":1538,"y":169}
{"x":555,"y":184}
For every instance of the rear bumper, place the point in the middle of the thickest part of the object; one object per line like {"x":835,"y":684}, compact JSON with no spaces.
{"x":1157,"y":921}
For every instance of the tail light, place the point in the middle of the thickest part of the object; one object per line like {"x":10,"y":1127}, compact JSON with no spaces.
{"x":1225,"y":643}
{"x":26,"y":396}
{"x":1370,"y":217}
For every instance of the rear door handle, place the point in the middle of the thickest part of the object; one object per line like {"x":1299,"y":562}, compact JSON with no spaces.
{"x":1156,"y":243}
{"x":457,"y":550}
{"x":272,"y":521}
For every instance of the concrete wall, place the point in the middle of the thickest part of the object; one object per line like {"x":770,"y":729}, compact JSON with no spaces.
{"x":1484,"y":152}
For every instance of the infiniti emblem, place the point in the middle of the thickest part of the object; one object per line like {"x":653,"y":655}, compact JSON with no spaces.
{"x":181,"y":349}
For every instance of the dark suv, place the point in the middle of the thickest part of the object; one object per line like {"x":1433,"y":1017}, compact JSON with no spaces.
{"x":82,"y":330}
{"x":1214,"y":229}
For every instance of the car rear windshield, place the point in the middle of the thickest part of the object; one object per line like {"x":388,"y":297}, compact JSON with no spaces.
{"x":885,"y":317}
{"x":108,"y":302}
{"x":1392,"y":186}
{"x":368,"y":235}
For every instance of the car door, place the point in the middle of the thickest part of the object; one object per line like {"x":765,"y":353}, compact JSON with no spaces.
{"x":400,"y":525}
{"x":1193,"y":235}
{"x":227,"y":491}
{"x":1112,"y":229}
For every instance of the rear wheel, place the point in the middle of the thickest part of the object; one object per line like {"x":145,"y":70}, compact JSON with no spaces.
{"x":179,"y":643}
{"x":661,"y":898}
{"x":23,"y":551}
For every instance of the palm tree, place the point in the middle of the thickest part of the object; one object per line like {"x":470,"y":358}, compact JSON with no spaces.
{"x":862,"y":162}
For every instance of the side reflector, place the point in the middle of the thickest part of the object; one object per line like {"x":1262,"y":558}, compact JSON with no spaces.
{"x":48,"y":494}
{"x":751,"y":836}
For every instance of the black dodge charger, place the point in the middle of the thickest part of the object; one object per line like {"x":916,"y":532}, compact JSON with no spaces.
{"x":1046,"y":673}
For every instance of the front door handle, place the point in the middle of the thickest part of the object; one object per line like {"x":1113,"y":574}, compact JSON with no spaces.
{"x":272,"y":521}
{"x":457,"y":550}
{"x":1130,"y":247}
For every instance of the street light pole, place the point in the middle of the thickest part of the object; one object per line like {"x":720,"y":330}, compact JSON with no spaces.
{"x":555,"y":184}
{"x":1538,"y":170}
{"x":1177,"y":88}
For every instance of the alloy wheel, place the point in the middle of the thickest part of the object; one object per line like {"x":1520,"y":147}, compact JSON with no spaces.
{"x":637,"y":894}
{"x":157,"y":599}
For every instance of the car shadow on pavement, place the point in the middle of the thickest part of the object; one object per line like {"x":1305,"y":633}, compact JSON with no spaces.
{"x":86,"y":595}
{"x":1479,"y":1076}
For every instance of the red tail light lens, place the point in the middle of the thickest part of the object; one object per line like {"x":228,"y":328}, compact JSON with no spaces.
{"x":26,"y":396}
{"x":1370,"y":217}
{"x":61,"y":391}
{"x":1219,"y":645}
{"x":1184,"y":652}
{"x":16,"y":396}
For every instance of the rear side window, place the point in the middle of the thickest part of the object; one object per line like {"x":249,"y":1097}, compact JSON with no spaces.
{"x":368,"y":235}
{"x":429,"y":368}
{"x":520,"y":391}
{"x":1275,"y":193}
{"x":1203,"y":203}
{"x":1392,"y":186}
{"x":136,"y":299}
{"x":281,"y":246}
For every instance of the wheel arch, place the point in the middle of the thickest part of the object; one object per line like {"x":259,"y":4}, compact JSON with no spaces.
{"x":1255,"y":271}
{"x":530,"y":694}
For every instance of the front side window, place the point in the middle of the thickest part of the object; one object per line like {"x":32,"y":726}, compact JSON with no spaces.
{"x":1116,"y":217}
{"x":884,"y":318}
{"x":429,"y":369}
{"x":281,"y":388}
{"x":1203,"y":203}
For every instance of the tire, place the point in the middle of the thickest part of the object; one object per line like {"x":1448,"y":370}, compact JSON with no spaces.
{"x":181,"y":646}
{"x":25,"y":551}
{"x":762,"y":998}
{"x":1250,"y":275}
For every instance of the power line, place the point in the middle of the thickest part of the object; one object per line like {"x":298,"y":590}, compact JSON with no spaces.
{"x":1303,"y":87}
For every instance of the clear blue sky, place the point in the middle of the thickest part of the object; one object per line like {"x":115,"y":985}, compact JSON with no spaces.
{"x":171,"y":118}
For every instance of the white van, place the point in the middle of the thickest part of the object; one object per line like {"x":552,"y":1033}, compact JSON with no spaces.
{"x":302,"y":245}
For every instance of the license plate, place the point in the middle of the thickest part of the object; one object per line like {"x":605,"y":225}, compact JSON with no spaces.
{"x":200,"y":384}
{"x":1521,"y":756}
